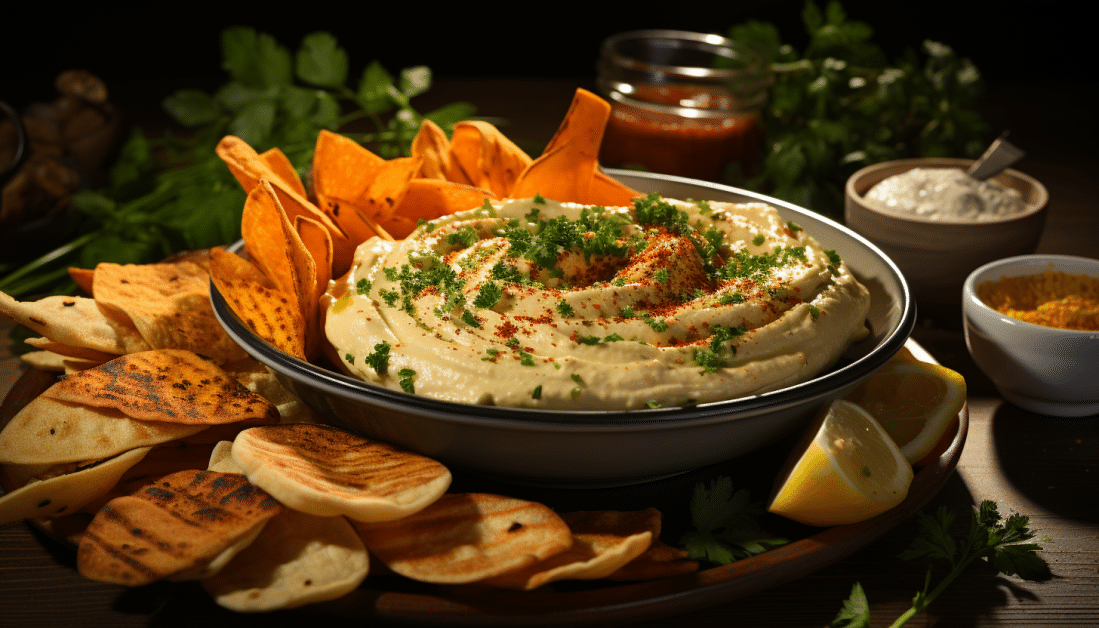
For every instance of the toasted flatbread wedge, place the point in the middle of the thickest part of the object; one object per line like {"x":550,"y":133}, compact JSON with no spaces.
{"x":326,"y":471}
{"x":78,"y":322}
{"x":467,"y":537}
{"x":167,"y":385}
{"x":182,"y":522}
{"x":67,"y":492}
{"x":50,"y":432}
{"x":602,"y":542}
{"x":296,"y":559}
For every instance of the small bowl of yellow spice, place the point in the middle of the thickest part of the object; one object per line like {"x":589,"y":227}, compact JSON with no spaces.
{"x":1032,"y":326}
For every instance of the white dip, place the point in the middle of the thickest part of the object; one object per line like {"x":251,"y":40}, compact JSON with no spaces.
{"x":945,"y":194}
{"x":556,"y":305}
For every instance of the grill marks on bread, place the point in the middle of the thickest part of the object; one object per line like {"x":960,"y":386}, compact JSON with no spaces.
{"x":326,"y":471}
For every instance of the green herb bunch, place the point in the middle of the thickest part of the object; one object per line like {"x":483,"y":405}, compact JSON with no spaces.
{"x":173,"y":193}
{"x":840,"y":105}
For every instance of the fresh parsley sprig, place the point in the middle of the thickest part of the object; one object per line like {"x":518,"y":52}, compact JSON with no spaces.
{"x":1002,"y":543}
{"x":726,"y":524}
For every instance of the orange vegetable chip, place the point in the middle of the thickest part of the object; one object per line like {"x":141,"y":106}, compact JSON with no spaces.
{"x":387,"y":189}
{"x":270,"y":314}
{"x":568,"y":169}
{"x":280,"y":165}
{"x":83,"y":277}
{"x":169,"y":386}
{"x":433,"y":147}
{"x":342,"y":172}
{"x":487,"y":157}
{"x":318,"y":242}
{"x":249,"y":168}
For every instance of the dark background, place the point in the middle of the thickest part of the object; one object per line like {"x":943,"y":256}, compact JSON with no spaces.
{"x":165,"y":46}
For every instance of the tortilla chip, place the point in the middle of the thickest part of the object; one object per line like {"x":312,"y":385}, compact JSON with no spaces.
{"x":182,"y":522}
{"x":297,"y":559}
{"x":487,"y":157}
{"x":467,"y":537}
{"x":326,"y":471}
{"x":67,"y":492}
{"x":77,"y":322}
{"x":168,"y":385}
{"x":602,"y":542}
{"x":169,"y":304}
{"x":48,"y":432}
{"x":270,"y":314}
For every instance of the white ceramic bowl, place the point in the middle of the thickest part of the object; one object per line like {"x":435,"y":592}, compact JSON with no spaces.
{"x":937,"y":255}
{"x":1041,"y":369}
{"x":590,"y":449}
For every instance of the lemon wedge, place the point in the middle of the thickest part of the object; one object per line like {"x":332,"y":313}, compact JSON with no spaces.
{"x":845,"y":469}
{"x":916,"y":402}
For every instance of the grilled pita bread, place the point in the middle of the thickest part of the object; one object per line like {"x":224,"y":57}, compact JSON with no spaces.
{"x":325,"y":471}
{"x":467,"y":537}
{"x":181,"y":523}
{"x":296,"y":559}
{"x":602,"y":542}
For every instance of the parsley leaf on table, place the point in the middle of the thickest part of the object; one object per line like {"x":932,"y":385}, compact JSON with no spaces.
{"x":726,"y":524}
{"x":1001,"y":543}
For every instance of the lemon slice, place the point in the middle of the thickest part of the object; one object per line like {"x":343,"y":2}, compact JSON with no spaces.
{"x":845,"y":469}
{"x":916,"y":402}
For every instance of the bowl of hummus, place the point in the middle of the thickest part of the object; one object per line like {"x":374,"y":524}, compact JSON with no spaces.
{"x":558,"y":344}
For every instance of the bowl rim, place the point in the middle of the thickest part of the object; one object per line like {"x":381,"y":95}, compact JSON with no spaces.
{"x":1036,"y":263}
{"x":536,"y":419}
{"x":858,"y":199}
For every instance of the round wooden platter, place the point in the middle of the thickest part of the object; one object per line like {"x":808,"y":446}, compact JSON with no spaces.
{"x":390,"y":598}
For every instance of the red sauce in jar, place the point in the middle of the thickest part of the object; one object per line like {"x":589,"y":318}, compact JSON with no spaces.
{"x":699,"y":147}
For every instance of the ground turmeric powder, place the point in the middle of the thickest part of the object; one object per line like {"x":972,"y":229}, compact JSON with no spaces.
{"x":1052,"y":299}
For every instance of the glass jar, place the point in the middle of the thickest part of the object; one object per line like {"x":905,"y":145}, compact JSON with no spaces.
{"x":682,"y":103}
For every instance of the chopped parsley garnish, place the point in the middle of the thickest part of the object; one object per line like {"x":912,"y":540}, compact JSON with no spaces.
{"x":350,"y":358}
{"x":405,"y":382}
{"x":613,"y":338}
{"x":759,"y":239}
{"x":526,"y":359}
{"x":657,"y":325}
{"x":379,"y":359}
{"x":537,"y":392}
{"x":793,"y":226}
{"x":708,"y":360}
{"x":464,"y":237}
{"x":469,"y":319}
{"x":814,"y":311}
{"x":564,"y":308}
{"x":588,"y":340}
{"x":652,"y":403}
{"x":513,"y":342}
{"x":488,"y":296}
{"x":662,"y":275}
{"x":576,"y":378}
{"x":362,"y":286}
{"x":731,"y":298}
{"x":390,"y":297}
{"x":723,"y":334}
{"x":758,"y":268}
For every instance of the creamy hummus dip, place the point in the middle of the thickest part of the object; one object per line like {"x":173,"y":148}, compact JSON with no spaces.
{"x":945,"y":194}
{"x":534,"y":303}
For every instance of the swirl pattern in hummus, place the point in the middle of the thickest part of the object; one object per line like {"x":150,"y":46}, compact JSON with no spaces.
{"x":534,"y":303}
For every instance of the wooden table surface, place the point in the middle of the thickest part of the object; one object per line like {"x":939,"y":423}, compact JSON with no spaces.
{"x":1043,"y":467}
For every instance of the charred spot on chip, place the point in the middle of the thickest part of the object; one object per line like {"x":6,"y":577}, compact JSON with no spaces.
{"x":69,"y":303}
{"x":44,"y":503}
{"x":515,"y":526}
{"x":160,"y":494}
{"x":212,"y":513}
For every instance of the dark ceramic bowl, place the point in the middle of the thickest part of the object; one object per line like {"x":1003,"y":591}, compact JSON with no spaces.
{"x":607,"y":448}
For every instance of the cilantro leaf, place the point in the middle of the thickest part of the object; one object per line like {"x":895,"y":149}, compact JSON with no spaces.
{"x":726,"y":524}
{"x":855,"y":612}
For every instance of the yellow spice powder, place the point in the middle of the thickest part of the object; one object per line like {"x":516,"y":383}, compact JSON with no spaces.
{"x":1052,"y":298}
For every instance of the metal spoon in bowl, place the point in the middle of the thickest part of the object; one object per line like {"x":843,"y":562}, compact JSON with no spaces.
{"x":999,"y":155}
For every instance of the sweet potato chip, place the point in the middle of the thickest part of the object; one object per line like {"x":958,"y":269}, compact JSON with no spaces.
{"x":84,"y":278}
{"x":602,"y":542}
{"x":167,"y":385}
{"x":487,"y":157}
{"x":249,"y":168}
{"x":568,"y":167}
{"x":169,"y":304}
{"x":467,"y":537}
{"x":280,"y":165}
{"x":182,"y":522}
{"x":342,"y":171}
{"x":296,"y":559}
{"x":432,"y":146}
{"x":77,"y":322}
{"x":270,"y":314}
{"x":428,"y":199}
{"x":326,"y":471}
